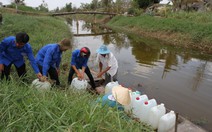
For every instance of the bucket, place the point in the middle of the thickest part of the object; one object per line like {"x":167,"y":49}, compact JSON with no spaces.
{"x":167,"y":122}
{"x":137,"y":105}
{"x":133,"y":96}
{"x":41,"y":85}
{"x":146,"y":106}
{"x":78,"y":84}
{"x":109,"y":86}
{"x":155,"y":114}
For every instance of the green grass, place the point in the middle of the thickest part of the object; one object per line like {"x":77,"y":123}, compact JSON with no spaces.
{"x":149,"y":23}
{"x":23,"y":8}
{"x":197,"y":17}
{"x":23,"y":108}
{"x":192,"y":30}
{"x":27,"y":109}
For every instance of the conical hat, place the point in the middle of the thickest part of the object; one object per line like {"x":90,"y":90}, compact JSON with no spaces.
{"x":121,"y":95}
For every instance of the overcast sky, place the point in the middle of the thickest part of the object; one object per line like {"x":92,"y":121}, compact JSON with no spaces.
{"x":52,"y":4}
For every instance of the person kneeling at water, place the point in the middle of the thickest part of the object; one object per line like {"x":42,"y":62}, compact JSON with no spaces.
{"x":48,"y":59}
{"x":12,"y":51}
{"x":107,"y":59}
{"x":79,"y":60}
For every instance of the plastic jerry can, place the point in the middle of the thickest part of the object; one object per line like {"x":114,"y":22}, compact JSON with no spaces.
{"x":78,"y":84}
{"x":133,"y":96}
{"x":137,"y":105}
{"x":146,"y":106}
{"x":109,"y":86}
{"x":167,"y":122}
{"x":155,"y":114}
{"x":41,"y":85}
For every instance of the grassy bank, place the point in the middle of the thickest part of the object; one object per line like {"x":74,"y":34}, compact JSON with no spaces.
{"x":192,"y":30}
{"x":23,"y":108}
{"x":188,"y":30}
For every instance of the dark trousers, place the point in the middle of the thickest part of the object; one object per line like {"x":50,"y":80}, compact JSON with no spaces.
{"x":20,"y":70}
{"x":52,"y":73}
{"x":88,"y":73}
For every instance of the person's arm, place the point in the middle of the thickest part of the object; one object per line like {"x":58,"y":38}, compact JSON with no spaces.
{"x":77,"y":72}
{"x":104,"y":71}
{"x":73,"y":64}
{"x":47,"y":59}
{"x":83,"y":72}
{"x":58,"y":66}
{"x":100,"y":66}
{"x":32,"y":61}
{"x":3,"y":47}
{"x":1,"y":68}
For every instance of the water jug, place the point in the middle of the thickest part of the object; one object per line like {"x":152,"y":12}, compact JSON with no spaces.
{"x":41,"y":85}
{"x":109,"y":86}
{"x":167,"y":122}
{"x":137,"y":105}
{"x":155,"y":114}
{"x":146,"y":106}
{"x":133,"y":96}
{"x":79,"y":84}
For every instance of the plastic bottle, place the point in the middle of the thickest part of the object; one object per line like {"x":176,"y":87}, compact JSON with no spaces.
{"x":167,"y":122}
{"x":137,"y":105}
{"x":78,"y":84}
{"x":155,"y":114}
{"x":109,"y":87}
{"x":146,"y":106}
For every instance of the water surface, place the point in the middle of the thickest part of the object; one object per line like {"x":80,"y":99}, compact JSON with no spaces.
{"x":181,"y":79}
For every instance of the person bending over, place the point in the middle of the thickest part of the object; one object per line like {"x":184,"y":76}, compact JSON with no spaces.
{"x":12,"y":51}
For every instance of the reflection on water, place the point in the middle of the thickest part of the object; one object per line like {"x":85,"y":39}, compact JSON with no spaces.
{"x":181,"y":79}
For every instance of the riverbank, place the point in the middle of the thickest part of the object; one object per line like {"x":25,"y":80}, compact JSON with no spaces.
{"x":187,"y":30}
{"x":26,"y":109}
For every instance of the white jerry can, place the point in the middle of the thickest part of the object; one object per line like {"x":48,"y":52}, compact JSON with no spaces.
{"x":137,"y":105}
{"x":41,"y":85}
{"x":133,"y":96}
{"x":167,"y":122}
{"x":109,"y":87}
{"x":146,"y":106}
{"x":78,"y":84}
{"x":155,"y":114}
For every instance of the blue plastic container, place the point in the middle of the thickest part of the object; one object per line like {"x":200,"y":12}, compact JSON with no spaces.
{"x":108,"y":100}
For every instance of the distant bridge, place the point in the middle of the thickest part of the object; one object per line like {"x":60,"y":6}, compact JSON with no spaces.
{"x":84,"y":12}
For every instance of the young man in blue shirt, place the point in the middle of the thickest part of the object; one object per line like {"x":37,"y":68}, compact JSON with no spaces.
{"x":48,"y":59}
{"x":12,"y":51}
{"x":79,"y":60}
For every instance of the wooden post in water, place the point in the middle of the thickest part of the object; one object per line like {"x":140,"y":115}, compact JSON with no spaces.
{"x":176,"y":123}
{"x":94,"y":18}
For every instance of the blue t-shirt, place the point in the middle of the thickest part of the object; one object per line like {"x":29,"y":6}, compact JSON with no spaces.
{"x":9,"y":53}
{"x":78,"y":60}
{"x":49,"y":55}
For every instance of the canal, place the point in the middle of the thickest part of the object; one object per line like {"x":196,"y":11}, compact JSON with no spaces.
{"x":179,"y":78}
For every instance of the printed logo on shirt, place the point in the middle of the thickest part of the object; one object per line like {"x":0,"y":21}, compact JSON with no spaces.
{"x":24,"y":54}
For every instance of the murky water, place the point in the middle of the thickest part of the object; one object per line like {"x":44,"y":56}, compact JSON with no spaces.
{"x":180,"y":79}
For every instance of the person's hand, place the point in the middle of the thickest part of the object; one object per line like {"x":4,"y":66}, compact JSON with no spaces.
{"x":79,"y":76}
{"x":99,"y":75}
{"x":43,"y":78}
{"x":1,"y":68}
{"x":39,"y":75}
{"x":58,"y":71}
